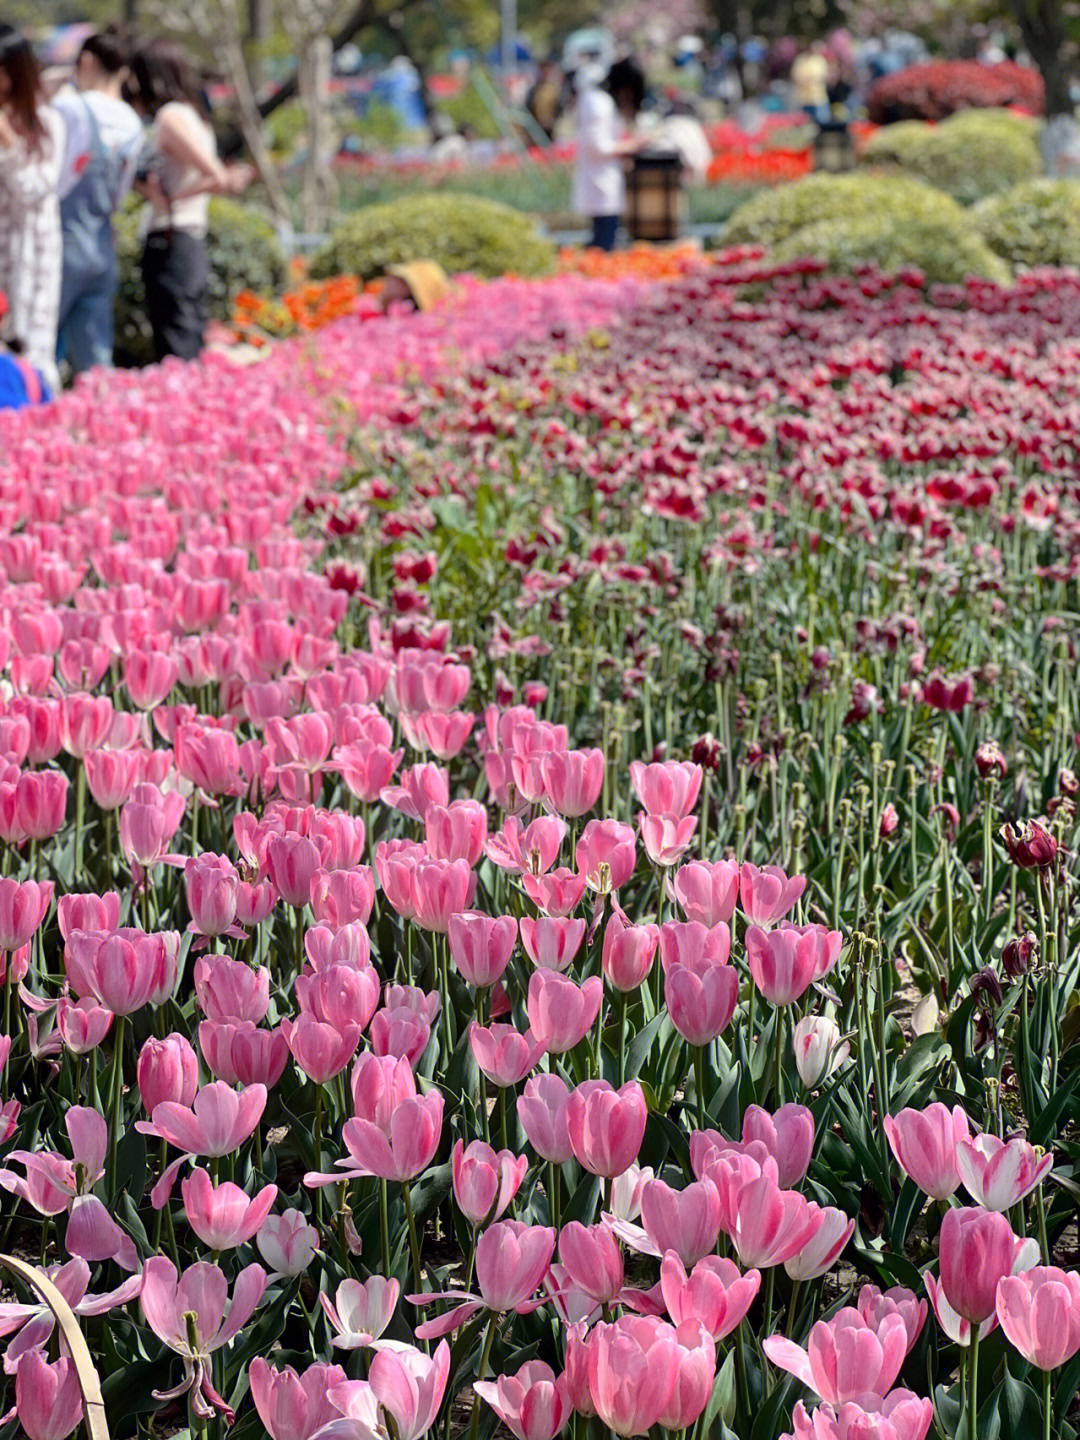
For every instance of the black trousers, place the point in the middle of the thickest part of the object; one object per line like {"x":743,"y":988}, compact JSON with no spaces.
{"x":175,"y":272}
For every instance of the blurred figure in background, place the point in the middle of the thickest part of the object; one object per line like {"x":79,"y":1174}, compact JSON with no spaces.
{"x":810,"y":77}
{"x":605,"y":116}
{"x":31,"y":161}
{"x":104,"y":138}
{"x":178,"y":173}
{"x":544,"y":100}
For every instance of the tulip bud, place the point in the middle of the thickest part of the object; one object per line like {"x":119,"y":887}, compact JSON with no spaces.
{"x":989,"y":761}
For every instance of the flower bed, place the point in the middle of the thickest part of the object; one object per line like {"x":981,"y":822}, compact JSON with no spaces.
{"x":538,"y":867}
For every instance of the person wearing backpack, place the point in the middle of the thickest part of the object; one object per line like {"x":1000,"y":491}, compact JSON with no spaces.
{"x":105,"y":138}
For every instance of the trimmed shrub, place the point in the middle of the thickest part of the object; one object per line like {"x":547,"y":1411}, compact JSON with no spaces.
{"x":459,"y":232}
{"x":244,"y":255}
{"x":942,"y":248}
{"x":1037,"y":223}
{"x":775,"y":215}
{"x":938,"y":88}
{"x":970,"y":155}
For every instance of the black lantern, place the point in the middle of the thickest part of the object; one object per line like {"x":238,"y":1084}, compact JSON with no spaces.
{"x":655,"y":198}
{"x":834,"y":149}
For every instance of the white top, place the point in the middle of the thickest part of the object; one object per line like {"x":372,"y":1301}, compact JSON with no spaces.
{"x":599,"y":182}
{"x":192,"y":212}
{"x":30,"y":243}
{"x":118,"y":125}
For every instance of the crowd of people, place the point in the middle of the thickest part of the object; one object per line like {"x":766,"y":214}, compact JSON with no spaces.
{"x":124,"y":120}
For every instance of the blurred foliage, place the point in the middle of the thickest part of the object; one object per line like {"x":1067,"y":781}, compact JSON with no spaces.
{"x":970,"y":155}
{"x":944,"y":249}
{"x":1036,"y":223}
{"x":460,"y":232}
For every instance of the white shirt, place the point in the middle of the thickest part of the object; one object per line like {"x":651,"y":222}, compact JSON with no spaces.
{"x":599,"y":183}
{"x":118,"y":125}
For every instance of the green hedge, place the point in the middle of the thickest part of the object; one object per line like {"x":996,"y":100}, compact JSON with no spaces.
{"x":459,"y":232}
{"x":774,"y":216}
{"x":943,"y":249}
{"x":972,"y":154}
{"x":244,"y":255}
{"x":1037,"y":223}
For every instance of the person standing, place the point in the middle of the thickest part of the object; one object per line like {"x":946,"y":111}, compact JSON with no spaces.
{"x":180,"y":174}
{"x":31,"y":159}
{"x":602,"y":112}
{"x":104,"y":141}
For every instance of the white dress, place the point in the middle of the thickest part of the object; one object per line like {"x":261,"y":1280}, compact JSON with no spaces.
{"x":599,"y":182}
{"x":30,"y":244}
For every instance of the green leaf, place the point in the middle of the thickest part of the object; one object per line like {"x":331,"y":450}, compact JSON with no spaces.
{"x":1020,"y":1410}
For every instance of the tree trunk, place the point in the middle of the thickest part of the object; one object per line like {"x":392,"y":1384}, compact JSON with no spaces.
{"x":315,"y":58}
{"x":1042,"y":27}
{"x":251,"y":127}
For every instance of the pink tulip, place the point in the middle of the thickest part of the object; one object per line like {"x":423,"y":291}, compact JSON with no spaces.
{"x":401,"y":1153}
{"x":873,"y":1306}
{"x":899,"y":1416}
{"x":633,"y":1371}
{"x":628,"y":953}
{"x":319,"y":1049}
{"x":287,"y":1242}
{"x":690,"y":944}
{"x":530,"y":850}
{"x":124,"y":970}
{"x":343,"y":995}
{"x":573,"y":780}
{"x":552,"y":941}
{"x":48,"y":1398}
{"x":399,"y":1031}
{"x":820,"y":1050}
{"x":669,"y":788}
{"x":421,"y":786}
{"x":201,"y":1291}
{"x":767,"y":895}
{"x":222,"y":1216}
{"x":88,"y":912}
{"x":148,"y":677}
{"x":34,"y":807}
{"x":456,"y":831}
{"x":167,"y":1070}
{"x":481,"y":945}
{"x":542,"y":1109}
{"x":511,"y":1261}
{"x":242,"y":1054}
{"x":503,"y":1053}
{"x":707,"y":892}
{"x":686,"y":1222}
{"x":23,"y":907}
{"x":976,"y":1249}
{"x":556,"y":893}
{"x":1039,"y":1312}
{"x":606,"y":1126}
{"x":410,"y":1386}
{"x":292,"y":1406}
{"x":485,"y":1182}
{"x":293,"y":861}
{"x":701,"y":1001}
{"x":442,"y":888}
{"x":348,"y":945}
{"x":209,"y":758}
{"x":786,"y":962}
{"x":770,"y":1225}
{"x":211,"y":883}
{"x":230,"y":989}
{"x":997,"y":1174}
{"x":591,"y":1257}
{"x":361,"y":1311}
{"x":820,"y":1254}
{"x":218,"y":1121}
{"x":341,"y":896}
{"x":560,"y":1012}
{"x":605,"y":855}
{"x":379,"y":1085}
{"x":84,"y":722}
{"x":111,"y":776}
{"x":666,"y":838}
{"x":82,"y":1024}
{"x":845,"y":1358}
{"x":788,"y":1136}
{"x":715,"y":1293}
{"x":533,"y":1404}
{"x":148,"y":821}
{"x":694,"y":1377}
{"x":925,"y":1142}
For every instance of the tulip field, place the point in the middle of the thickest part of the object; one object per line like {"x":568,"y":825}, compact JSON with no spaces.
{"x":538,"y":883}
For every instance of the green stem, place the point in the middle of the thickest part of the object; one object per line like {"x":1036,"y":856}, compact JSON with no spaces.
{"x":699,"y":1084}
{"x":414,"y":1246}
{"x":622,"y":1037}
{"x":973,"y":1387}
{"x":485,"y":1356}
{"x":384,"y":1226}
{"x":80,"y":812}
{"x":789,"y":1328}
{"x":1048,"y":1403}
{"x":117,"y":1092}
{"x":554,"y":1207}
{"x":778,"y":1059}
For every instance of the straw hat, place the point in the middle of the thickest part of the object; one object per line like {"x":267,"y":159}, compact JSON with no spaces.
{"x":425,"y":280}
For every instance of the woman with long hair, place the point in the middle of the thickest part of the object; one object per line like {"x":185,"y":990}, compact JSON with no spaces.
{"x":31,"y":159}
{"x":180,"y":173}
